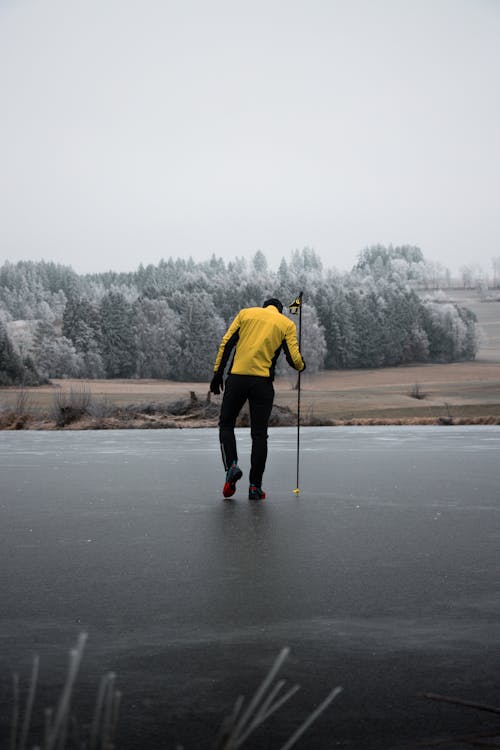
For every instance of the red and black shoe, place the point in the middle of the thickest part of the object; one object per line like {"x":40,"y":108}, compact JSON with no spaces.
{"x":256,"y":493}
{"x":233,"y":474}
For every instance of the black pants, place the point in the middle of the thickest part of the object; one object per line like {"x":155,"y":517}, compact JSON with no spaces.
{"x":259,"y":392}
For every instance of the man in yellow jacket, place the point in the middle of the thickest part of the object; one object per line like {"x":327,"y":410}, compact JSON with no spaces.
{"x":258,"y":335}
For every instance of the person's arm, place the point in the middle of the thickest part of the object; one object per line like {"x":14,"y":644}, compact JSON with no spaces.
{"x":291,"y":349}
{"x":229,"y":341}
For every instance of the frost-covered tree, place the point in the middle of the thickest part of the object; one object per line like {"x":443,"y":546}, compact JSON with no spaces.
{"x":403,"y":261}
{"x":57,"y":358}
{"x":451,"y":332}
{"x":335,"y":314}
{"x":54,"y":355}
{"x":81,"y":323}
{"x":117,"y":340}
{"x":201,"y":329}
{"x":367,"y":345}
{"x":403,"y":337}
{"x":259,"y":263}
{"x":305,"y":271}
{"x":157,"y":331}
{"x":495,"y":263}
{"x":11,"y":367}
{"x":369,"y":317}
{"x":477,"y":276}
{"x":313,"y":344}
{"x":35,"y":290}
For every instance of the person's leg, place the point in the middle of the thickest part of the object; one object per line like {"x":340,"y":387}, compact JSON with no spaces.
{"x":260,"y":399}
{"x":235,"y":395}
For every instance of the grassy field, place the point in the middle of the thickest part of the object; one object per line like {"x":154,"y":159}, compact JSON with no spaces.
{"x":459,"y":391}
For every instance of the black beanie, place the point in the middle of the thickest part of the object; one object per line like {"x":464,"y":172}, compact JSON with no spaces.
{"x":275,"y":302}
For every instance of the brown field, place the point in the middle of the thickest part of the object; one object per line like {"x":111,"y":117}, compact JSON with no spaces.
{"x":461,"y":392}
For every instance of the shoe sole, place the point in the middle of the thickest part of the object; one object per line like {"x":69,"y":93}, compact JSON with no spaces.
{"x":230,"y":487}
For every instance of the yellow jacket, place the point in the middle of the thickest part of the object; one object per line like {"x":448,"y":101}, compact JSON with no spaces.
{"x":259,"y":334}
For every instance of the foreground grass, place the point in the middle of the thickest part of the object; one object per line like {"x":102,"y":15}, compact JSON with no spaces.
{"x":62,"y":731}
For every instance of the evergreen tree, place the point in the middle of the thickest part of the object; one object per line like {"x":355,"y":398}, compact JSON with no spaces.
{"x":11,"y":367}
{"x":405,"y":262}
{"x":81,"y":324}
{"x":118,"y":343}
{"x":157,"y":339}
{"x":57,"y":358}
{"x":340,"y":333}
{"x":94,"y":324}
{"x":54,"y":355}
{"x":451,"y":332}
{"x":313,"y":345}
{"x":201,"y":329}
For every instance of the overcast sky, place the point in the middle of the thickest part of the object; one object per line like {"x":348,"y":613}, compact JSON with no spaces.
{"x":132,"y":130}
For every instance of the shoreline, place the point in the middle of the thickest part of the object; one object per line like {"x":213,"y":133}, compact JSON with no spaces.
{"x":88,"y":424}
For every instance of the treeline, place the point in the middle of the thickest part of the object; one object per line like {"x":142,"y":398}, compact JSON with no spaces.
{"x":166,"y":321}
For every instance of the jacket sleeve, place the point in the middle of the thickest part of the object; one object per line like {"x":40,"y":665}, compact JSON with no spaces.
{"x":291,"y":348}
{"x":229,"y":341}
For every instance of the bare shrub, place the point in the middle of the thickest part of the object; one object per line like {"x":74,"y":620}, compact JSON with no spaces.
{"x":23,"y":404}
{"x":281,"y":416}
{"x":417,"y":392}
{"x":101,"y":408}
{"x":149,"y":408}
{"x":311,"y":419}
{"x":69,"y":407}
{"x":15,"y":416}
{"x":448,"y":419}
{"x":193,"y":407}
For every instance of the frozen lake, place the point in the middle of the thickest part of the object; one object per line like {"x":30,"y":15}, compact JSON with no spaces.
{"x":381,"y":576}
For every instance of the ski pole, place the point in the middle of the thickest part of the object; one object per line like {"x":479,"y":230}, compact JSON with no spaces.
{"x":295,"y":307}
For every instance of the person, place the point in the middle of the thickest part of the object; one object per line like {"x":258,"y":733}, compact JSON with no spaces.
{"x":257,"y":335}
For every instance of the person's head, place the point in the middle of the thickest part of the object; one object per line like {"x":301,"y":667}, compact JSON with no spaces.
{"x":275,"y":302}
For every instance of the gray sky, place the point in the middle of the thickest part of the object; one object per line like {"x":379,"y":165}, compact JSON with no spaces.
{"x":132,"y":130}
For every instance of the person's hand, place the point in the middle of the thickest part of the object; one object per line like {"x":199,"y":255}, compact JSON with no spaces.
{"x":303,"y":360}
{"x":216,"y":384}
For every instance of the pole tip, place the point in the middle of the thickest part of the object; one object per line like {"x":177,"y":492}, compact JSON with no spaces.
{"x":296,"y":491}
